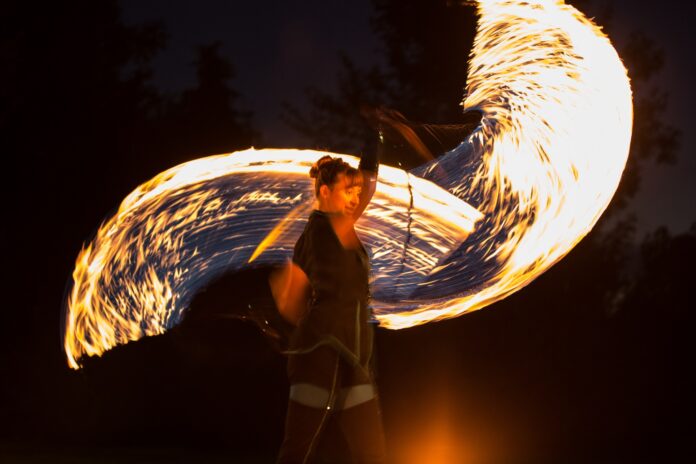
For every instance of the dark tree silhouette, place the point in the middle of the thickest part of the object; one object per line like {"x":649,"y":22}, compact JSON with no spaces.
{"x":204,"y":120}
{"x":81,"y":127}
{"x":425,"y":45}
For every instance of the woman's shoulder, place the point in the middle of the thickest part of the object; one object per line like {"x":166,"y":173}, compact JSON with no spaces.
{"x":319,"y":230}
{"x":318,"y":221}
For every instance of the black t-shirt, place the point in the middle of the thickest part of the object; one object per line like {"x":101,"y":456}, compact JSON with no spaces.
{"x":338,"y":312}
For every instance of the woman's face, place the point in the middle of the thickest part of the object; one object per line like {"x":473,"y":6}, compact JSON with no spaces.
{"x":342,"y":198}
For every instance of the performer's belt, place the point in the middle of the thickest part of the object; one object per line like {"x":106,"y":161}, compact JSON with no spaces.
{"x":317,"y":397}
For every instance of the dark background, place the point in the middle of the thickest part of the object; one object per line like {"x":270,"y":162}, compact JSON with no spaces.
{"x":587,"y":364}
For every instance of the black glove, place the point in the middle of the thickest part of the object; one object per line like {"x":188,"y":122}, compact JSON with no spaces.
{"x":369,"y":161}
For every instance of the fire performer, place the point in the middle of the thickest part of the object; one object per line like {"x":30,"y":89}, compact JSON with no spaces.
{"x":330,"y":365}
{"x":324,"y":292}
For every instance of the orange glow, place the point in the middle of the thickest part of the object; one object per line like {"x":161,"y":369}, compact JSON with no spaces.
{"x":438,"y":434}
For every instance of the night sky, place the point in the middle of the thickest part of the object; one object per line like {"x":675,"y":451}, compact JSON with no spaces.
{"x":589,"y":363}
{"x":283,"y":47}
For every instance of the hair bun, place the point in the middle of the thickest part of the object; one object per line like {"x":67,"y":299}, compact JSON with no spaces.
{"x":314,"y":171}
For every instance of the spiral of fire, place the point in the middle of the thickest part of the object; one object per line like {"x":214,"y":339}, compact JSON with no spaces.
{"x":454,"y":235}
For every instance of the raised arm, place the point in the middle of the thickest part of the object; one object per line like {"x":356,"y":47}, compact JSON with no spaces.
{"x":369,"y":167}
{"x":368,"y":189}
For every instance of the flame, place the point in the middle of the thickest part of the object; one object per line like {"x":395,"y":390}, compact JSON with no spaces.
{"x":454,"y":235}
{"x":553,"y":144}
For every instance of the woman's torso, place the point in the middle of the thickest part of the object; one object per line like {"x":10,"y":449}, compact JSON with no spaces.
{"x":338,"y":313}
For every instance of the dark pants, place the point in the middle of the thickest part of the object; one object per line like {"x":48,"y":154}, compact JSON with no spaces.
{"x":306,"y":427}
